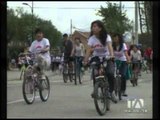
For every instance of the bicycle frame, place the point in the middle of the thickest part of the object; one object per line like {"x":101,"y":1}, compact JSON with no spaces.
{"x":98,"y":69}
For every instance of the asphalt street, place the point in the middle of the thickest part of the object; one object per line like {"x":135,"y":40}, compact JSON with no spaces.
{"x":67,"y":100}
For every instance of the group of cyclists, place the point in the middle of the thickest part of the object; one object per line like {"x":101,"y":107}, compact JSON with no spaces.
{"x":100,"y":44}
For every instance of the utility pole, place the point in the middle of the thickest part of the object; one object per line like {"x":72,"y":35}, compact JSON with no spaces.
{"x":71,"y":28}
{"x":136,"y":22}
{"x":120,"y":6}
{"x":32,"y":22}
{"x":32,"y":18}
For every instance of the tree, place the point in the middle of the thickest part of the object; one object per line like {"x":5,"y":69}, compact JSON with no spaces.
{"x":19,"y":30}
{"x":113,"y":19}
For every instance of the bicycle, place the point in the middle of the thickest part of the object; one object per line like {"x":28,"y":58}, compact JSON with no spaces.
{"x":135,"y":73}
{"x":117,"y":80}
{"x":101,"y":84}
{"x":32,"y":83}
{"x":145,"y":67}
{"x":68,"y":71}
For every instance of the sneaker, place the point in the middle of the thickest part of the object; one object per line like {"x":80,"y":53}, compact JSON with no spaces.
{"x":113,"y":98}
{"x":124,"y":94}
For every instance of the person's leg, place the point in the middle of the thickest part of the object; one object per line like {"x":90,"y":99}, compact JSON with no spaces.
{"x":123,"y":70}
{"x":110,"y":69}
{"x":41,"y":64}
{"x":71,"y":64}
{"x":140,"y":67}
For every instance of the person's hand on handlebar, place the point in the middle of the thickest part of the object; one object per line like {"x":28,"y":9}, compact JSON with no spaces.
{"x":43,"y":51}
{"x":110,"y":58}
{"x":85,"y":63}
{"x":128,"y":61}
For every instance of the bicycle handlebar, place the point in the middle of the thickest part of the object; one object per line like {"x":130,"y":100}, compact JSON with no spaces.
{"x":102,"y":59}
{"x":32,"y":53}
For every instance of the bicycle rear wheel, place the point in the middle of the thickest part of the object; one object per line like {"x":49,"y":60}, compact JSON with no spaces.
{"x":100,"y":99}
{"x":65,"y":74}
{"x":28,"y":88}
{"x":107,"y":101}
{"x":118,"y":87}
{"x":44,"y":92}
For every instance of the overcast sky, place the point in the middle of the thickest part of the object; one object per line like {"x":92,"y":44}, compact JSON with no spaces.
{"x":60,"y":13}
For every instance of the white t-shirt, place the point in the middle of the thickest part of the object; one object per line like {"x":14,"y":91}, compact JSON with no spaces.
{"x":83,"y":49}
{"x":99,"y":49}
{"x":136,"y":55}
{"x":120,"y":55}
{"x":78,"y":51}
{"x":39,"y":45}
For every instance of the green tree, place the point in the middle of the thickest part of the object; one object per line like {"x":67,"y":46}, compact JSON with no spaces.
{"x":19,"y":30}
{"x":114,"y":20}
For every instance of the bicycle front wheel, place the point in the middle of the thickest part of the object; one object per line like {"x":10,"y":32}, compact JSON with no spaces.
{"x":44,"y":90}
{"x":28,"y":89}
{"x":118,"y":78}
{"x":100,"y":99}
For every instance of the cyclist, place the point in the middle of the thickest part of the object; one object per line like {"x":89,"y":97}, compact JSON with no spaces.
{"x":147,"y":55}
{"x":100,"y":44}
{"x":136,"y":58}
{"x":79,"y":50}
{"x":68,"y":49}
{"x":41,"y":44}
{"x":151,"y":57}
{"x":121,"y":57}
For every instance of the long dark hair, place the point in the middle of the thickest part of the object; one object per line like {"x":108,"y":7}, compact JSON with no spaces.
{"x":103,"y":32}
{"x":121,"y":41}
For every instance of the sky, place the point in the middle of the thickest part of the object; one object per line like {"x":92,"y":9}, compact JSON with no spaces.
{"x":61,"y":13}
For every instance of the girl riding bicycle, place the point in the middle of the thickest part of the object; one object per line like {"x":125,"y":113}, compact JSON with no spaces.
{"x":121,"y":57}
{"x":100,"y":45}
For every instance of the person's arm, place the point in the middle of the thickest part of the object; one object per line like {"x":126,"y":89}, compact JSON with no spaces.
{"x":47,"y":46}
{"x":127,"y":56}
{"x":89,"y":50}
{"x":109,"y":45}
{"x":110,"y":49}
{"x":88,"y":54}
{"x":73,"y":49}
{"x":126,"y":53}
{"x":140,"y":55}
{"x":131,"y":56}
{"x":46,"y":49}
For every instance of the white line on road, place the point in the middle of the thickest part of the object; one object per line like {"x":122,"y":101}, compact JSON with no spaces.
{"x":20,"y":100}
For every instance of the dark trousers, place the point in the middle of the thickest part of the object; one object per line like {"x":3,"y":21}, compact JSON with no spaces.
{"x":123,"y":70}
{"x":110,"y":75}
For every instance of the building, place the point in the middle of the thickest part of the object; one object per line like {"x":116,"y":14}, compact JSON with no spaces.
{"x":83,"y":37}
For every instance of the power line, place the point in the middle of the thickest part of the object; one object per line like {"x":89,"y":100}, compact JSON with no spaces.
{"x":65,"y":7}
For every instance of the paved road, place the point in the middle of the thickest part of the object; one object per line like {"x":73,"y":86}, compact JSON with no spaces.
{"x":70,"y":101}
